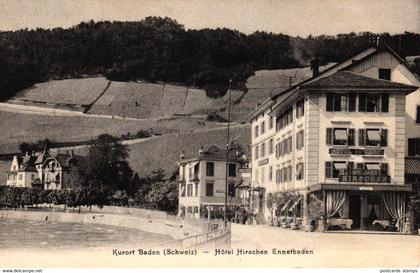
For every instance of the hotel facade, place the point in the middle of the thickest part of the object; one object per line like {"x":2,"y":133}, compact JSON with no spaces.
{"x":202,"y":181}
{"x":337,"y":145}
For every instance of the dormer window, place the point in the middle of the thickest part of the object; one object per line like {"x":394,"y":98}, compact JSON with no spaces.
{"x":384,"y":74}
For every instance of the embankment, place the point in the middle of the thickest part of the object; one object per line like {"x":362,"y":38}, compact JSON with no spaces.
{"x":169,"y":227}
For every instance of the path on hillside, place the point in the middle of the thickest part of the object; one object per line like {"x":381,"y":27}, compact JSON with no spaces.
{"x":26,"y":109}
{"x":139,"y":140}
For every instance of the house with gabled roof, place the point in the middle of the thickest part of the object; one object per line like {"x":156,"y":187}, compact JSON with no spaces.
{"x":41,"y":170}
{"x":344,"y":138}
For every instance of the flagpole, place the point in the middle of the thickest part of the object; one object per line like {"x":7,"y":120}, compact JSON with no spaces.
{"x":227,"y":152}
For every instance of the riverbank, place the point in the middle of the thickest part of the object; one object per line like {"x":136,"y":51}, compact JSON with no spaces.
{"x":168,"y":227}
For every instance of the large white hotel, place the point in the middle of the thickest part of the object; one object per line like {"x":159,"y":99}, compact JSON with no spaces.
{"x":349,"y":138}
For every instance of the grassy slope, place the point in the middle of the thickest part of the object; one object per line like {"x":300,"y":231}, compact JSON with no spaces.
{"x":17,"y":128}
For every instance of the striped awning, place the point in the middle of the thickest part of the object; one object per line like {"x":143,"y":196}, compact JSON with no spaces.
{"x":412,"y":165}
{"x":286,"y":205}
{"x":295,"y":203}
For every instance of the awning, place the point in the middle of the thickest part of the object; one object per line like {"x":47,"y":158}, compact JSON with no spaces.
{"x":286,"y":205}
{"x":351,"y":186}
{"x":373,"y":135}
{"x":372,"y":166}
{"x":340,"y":165}
{"x":412,"y":165}
{"x":340,"y":134}
{"x":295,"y":203}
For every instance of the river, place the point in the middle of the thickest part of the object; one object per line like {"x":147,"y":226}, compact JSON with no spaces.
{"x":27,"y":234}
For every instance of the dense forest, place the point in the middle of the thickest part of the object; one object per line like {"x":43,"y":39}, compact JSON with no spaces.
{"x":160,"y":49}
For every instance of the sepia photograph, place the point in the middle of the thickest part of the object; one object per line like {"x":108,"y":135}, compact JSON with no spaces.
{"x":209,"y":134}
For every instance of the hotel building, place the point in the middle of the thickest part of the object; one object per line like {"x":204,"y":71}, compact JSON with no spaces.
{"x":341,"y":139}
{"x":202,"y":180}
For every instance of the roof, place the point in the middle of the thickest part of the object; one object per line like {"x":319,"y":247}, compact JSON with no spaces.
{"x":212,"y":152}
{"x":28,"y":164}
{"x":351,"y":80}
{"x":412,"y":166}
{"x":271,"y":101}
{"x":41,"y":157}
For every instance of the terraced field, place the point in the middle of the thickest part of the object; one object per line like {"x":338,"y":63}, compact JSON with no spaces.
{"x":17,"y":128}
{"x":72,"y":91}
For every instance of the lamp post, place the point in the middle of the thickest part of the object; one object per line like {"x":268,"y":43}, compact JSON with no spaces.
{"x":227,"y":153}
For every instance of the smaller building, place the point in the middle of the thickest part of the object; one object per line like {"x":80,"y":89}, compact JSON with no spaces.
{"x":41,"y":170}
{"x":202,"y":181}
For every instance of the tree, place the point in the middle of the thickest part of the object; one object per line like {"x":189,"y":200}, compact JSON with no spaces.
{"x":163,"y":195}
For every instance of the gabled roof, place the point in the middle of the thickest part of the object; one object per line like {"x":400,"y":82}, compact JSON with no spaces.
{"x":350,"y":80}
{"x":42,"y":156}
{"x":289,"y":93}
{"x":28,"y":164}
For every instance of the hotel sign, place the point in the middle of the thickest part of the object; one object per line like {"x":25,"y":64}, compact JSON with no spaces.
{"x":364,"y":176}
{"x":346,"y":151}
{"x":263,"y":162}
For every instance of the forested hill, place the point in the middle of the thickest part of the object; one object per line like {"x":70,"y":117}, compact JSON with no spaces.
{"x":160,"y":49}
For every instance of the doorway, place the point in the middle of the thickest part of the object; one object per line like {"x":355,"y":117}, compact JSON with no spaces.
{"x":354,"y":210}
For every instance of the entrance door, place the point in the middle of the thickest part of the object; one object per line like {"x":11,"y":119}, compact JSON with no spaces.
{"x":354,"y":210}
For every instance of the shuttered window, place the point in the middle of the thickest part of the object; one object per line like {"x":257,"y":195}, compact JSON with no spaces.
{"x":362,"y":102}
{"x":414,"y":146}
{"x":329,"y":136}
{"x":328,"y":169}
{"x":385,"y":103}
{"x":351,"y":137}
{"x":361,"y":137}
{"x":352,"y":102}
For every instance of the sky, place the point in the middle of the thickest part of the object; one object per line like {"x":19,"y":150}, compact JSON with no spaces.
{"x":292,"y":17}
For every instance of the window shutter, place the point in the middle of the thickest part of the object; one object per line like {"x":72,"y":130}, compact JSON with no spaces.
{"x":350,"y":166}
{"x":384,"y":137}
{"x":418,"y":114}
{"x":329,"y":136}
{"x":384,"y":168}
{"x":362,"y":102}
{"x":411,"y":147}
{"x":328,"y":169}
{"x":361,"y":137}
{"x":385,"y":102}
{"x":360,"y":166}
{"x":352,"y":102}
{"x":330,"y":101}
{"x":350,"y":137}
{"x":290,"y":144}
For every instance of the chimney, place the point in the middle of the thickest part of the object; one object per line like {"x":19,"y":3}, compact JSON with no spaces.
{"x":182,"y":155}
{"x":315,"y":67}
{"x":200,"y":151}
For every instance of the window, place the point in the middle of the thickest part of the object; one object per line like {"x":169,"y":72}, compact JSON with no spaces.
{"x":418,"y":114}
{"x":256,"y":132}
{"x":270,"y":146}
{"x":285,"y":175}
{"x":196,"y":189}
{"x":20,"y":176}
{"x":262,"y":127}
{"x":270,"y":173}
{"x":334,"y":168}
{"x":278,"y":175}
{"x":336,"y":102}
{"x":256,"y":152}
{"x":33,"y":177}
{"x":209,"y":189}
{"x":289,"y":173}
{"x":373,"y":137}
{"x":232,"y":170}
{"x":14,"y":167}
{"x":299,"y":171}
{"x":414,"y":147}
{"x":256,"y":176}
{"x":300,"y":108}
{"x":270,"y":124}
{"x":263,"y":150}
{"x":385,"y":74}
{"x":189,"y":189}
{"x":210,"y":169}
{"x":262,"y":175}
{"x":340,"y":136}
{"x":231,"y":190}
{"x":373,"y":102}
